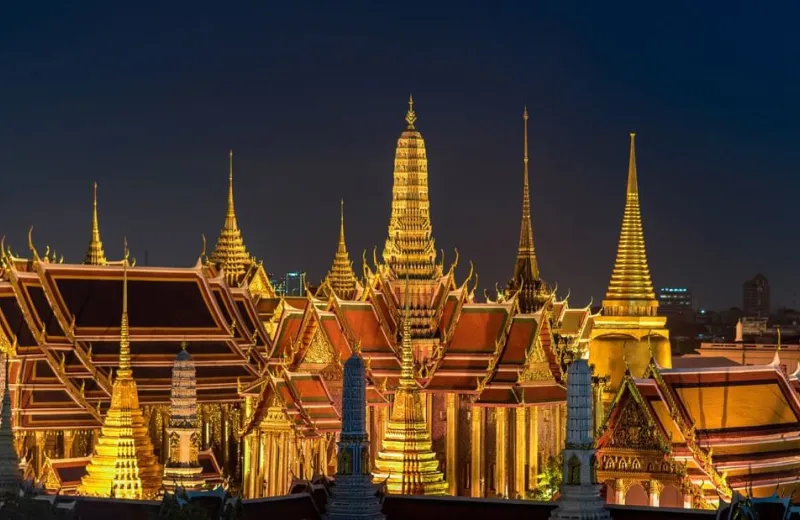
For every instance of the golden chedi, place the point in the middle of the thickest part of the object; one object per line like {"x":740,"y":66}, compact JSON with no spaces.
{"x":629,"y":332}
{"x":406,"y":460}
{"x":123,"y":464}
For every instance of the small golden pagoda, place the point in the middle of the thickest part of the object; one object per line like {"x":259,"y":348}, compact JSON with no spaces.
{"x":95,"y":254}
{"x":409,"y":250}
{"x":526,"y":282}
{"x":406,"y":460}
{"x":230,"y":253}
{"x":630,"y":326}
{"x":123,"y":464}
{"x":341,"y":279}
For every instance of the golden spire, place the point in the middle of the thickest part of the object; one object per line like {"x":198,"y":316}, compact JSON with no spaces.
{"x":95,"y":254}
{"x":411,"y":116}
{"x":406,"y":461}
{"x":409,"y":248}
{"x":124,"y":370}
{"x":532,"y":291}
{"x":123,"y":464}
{"x":341,"y":278}
{"x":630,"y":292}
{"x":230,"y":253}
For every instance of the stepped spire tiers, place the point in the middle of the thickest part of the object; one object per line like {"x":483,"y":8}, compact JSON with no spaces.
{"x":183,"y":467}
{"x":9,"y":460}
{"x":409,"y":250}
{"x":629,"y":333}
{"x":95,"y":254}
{"x":630,"y":292}
{"x":406,"y":460}
{"x":354,"y":497}
{"x":526,"y":281}
{"x":230,"y":253}
{"x":580,"y":491}
{"x":341,"y":278}
{"x":123,"y":464}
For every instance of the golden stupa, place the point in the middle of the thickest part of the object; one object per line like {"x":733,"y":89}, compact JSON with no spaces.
{"x":406,"y":460}
{"x":123,"y":464}
{"x":629,"y":332}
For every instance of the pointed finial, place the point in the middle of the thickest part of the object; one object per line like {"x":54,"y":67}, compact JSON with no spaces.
{"x":633,"y":183}
{"x":411,"y":116}
{"x":184,"y":344}
{"x":341,"y":227}
{"x":124,"y":370}
{"x":94,"y":253}
{"x":230,"y":217}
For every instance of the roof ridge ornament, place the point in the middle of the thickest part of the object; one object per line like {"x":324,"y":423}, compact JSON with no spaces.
{"x":411,"y":116}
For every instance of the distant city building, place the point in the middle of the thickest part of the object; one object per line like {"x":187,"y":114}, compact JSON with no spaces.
{"x":675,"y":300}
{"x":292,"y":284}
{"x":295,"y":284}
{"x":755,"y":296}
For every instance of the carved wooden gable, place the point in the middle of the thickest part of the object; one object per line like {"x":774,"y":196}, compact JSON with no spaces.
{"x":537,"y":367}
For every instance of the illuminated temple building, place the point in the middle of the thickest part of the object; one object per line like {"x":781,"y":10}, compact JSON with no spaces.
{"x":480,"y":386}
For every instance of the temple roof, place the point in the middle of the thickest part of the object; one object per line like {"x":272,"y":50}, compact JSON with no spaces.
{"x":64,"y":320}
{"x":341,"y":279}
{"x":748,"y":416}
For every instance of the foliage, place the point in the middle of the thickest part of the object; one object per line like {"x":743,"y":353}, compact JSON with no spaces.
{"x":171,"y":509}
{"x":549,"y":481}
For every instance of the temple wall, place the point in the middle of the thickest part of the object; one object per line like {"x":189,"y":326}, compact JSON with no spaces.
{"x":610,"y":352}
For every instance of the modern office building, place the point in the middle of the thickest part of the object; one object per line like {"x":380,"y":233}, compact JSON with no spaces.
{"x":755,"y":296}
{"x":675,"y":300}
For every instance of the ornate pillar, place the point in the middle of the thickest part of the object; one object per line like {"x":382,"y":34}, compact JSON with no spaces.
{"x":206,"y":427}
{"x":501,"y":458}
{"x":619,"y":491}
{"x":69,"y":440}
{"x":164,"y":434}
{"x":533,"y":447}
{"x":476,"y":451}
{"x":451,"y":448}
{"x":654,"y":488}
{"x":225,"y":448}
{"x":39,"y":435}
{"x":519,"y":451}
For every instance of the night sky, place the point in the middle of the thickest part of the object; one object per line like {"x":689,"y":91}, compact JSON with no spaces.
{"x":147,"y":102}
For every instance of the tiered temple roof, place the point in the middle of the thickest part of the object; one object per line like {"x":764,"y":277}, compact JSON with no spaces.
{"x":729,"y":428}
{"x":64,"y":321}
{"x":341,"y":280}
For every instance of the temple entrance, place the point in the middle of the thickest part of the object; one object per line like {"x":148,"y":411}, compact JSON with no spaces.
{"x":636,"y":496}
{"x":671,"y":497}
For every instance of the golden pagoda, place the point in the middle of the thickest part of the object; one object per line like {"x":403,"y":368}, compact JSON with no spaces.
{"x":406,"y":460}
{"x":532,"y":291}
{"x":95,"y":254}
{"x":409,"y":250}
{"x":230,"y":254}
{"x":341,"y":279}
{"x":123,"y":464}
{"x":630,"y":327}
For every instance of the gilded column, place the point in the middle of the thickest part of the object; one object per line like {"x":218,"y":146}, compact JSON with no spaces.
{"x":225,"y":440}
{"x":654,"y":491}
{"x":476,"y":453}
{"x":69,"y":440}
{"x":164,"y":434}
{"x":533,"y":447}
{"x":40,"y":445}
{"x":519,"y":451}
{"x":451,"y":455}
{"x":501,"y":441}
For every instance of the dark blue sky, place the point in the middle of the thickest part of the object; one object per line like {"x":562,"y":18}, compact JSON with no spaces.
{"x":311,"y":98}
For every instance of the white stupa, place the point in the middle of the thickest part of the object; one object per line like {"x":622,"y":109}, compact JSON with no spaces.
{"x":580,"y":492}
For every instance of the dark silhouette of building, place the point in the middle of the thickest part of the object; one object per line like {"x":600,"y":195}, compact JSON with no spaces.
{"x":755,"y":296}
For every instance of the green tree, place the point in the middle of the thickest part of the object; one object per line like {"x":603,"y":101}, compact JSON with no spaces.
{"x":548,"y":482}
